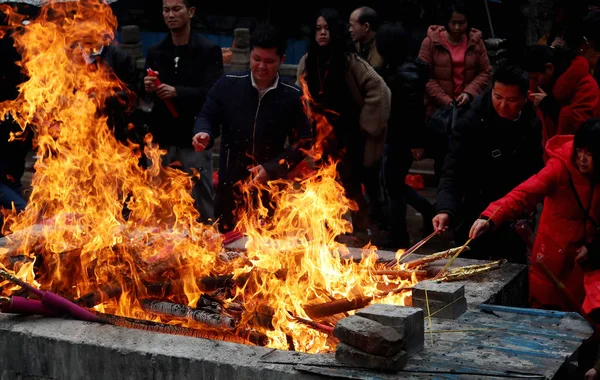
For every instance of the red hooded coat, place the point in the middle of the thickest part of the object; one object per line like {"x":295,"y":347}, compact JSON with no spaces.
{"x":577,"y":95}
{"x":561,"y":230}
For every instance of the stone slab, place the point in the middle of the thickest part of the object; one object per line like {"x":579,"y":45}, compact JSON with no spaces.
{"x":349,"y":355}
{"x":66,"y":349}
{"x":369,"y":336}
{"x":445,"y":310}
{"x":445,"y":292}
{"x":408,"y":321}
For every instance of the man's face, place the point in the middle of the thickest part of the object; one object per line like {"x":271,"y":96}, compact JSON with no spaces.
{"x":542,"y":79}
{"x":264,"y":64}
{"x":508,"y":100}
{"x":358,"y":31}
{"x":176,"y":14}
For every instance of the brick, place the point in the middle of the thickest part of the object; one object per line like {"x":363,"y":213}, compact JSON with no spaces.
{"x":369,"y":336}
{"x":349,"y":355}
{"x":439,"y":291}
{"x":442,"y":310}
{"x":408,"y":321}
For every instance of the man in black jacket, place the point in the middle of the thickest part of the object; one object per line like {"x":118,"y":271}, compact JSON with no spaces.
{"x":496,"y":145}
{"x":188,"y":65}
{"x":254,"y":113}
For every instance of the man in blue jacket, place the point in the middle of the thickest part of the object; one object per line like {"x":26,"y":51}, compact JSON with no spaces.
{"x":255,"y":113}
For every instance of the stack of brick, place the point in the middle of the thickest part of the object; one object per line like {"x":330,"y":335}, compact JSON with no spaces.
{"x":240,"y":52}
{"x":496,"y":51}
{"x":444,"y":300}
{"x":380,"y":337}
{"x":130,"y":35}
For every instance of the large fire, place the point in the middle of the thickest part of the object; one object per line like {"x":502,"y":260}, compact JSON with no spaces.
{"x":77,"y":242}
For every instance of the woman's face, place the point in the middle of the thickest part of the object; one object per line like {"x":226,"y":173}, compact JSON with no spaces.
{"x":457,"y":26}
{"x":322,"y":35}
{"x":585,"y":161}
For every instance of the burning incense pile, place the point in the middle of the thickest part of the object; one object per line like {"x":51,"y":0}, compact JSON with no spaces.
{"x":158,"y":269}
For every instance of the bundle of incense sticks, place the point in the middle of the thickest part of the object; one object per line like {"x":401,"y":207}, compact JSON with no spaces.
{"x":411,"y":250}
{"x":471,"y":270}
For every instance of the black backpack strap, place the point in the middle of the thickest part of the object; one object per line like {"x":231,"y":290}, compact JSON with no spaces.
{"x":586,"y":210}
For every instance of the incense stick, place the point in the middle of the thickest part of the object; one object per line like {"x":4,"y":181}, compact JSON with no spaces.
{"x":464,"y":246}
{"x":411,"y":250}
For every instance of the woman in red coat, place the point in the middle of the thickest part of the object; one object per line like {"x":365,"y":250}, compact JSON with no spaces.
{"x":567,"y":238}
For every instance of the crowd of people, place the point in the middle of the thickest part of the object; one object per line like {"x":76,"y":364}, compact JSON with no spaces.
{"x":514,"y":147}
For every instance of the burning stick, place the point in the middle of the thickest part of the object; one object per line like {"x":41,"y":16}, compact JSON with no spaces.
{"x":431,"y":258}
{"x":315,"y":325}
{"x":182,"y":311}
{"x":336,"y":307}
{"x":242,"y":337}
{"x":53,"y":301}
{"x":400,"y":273}
{"x":471,"y":270}
{"x":25,"y":306}
{"x":328,"y":309}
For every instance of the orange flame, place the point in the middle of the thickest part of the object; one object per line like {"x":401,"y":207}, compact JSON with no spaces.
{"x":74,"y":225}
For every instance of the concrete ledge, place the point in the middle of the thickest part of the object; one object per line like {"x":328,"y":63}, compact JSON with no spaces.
{"x":47,"y":348}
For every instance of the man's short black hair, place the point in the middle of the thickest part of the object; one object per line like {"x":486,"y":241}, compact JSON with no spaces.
{"x":368,"y":15}
{"x":536,"y":57}
{"x":512,"y":75}
{"x":268,"y":37}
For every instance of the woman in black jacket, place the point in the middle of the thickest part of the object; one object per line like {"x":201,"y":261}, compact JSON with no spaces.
{"x":406,"y":77}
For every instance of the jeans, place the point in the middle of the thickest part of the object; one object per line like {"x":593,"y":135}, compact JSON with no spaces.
{"x":202,"y":191}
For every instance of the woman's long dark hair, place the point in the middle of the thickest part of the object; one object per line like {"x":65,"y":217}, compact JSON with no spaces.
{"x":337,"y":52}
{"x":588,"y":137}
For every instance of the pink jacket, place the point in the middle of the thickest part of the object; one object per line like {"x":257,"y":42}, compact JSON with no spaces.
{"x":440,"y":87}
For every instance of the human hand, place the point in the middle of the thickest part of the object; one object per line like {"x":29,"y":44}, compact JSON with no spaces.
{"x":164,"y":91}
{"x":463,"y":99}
{"x":592,"y":374}
{"x":418,"y":153}
{"x":150,"y":84}
{"x":480,"y":227}
{"x":441,"y":222}
{"x":537,"y":97}
{"x":582,"y":255}
{"x":260,"y":174}
{"x":200,"y":141}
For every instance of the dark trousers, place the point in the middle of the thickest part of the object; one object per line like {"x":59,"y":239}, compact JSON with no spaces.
{"x":396,"y":164}
{"x":229,"y":201}
{"x":349,"y":171}
{"x":371,"y":180}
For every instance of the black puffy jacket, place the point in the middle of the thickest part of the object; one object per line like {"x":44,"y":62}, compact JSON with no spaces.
{"x":488,"y":156}
{"x":407,"y":116}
